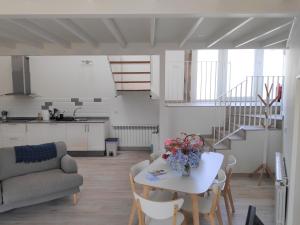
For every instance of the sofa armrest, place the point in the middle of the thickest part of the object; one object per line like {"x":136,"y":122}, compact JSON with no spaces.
{"x":68,"y":164}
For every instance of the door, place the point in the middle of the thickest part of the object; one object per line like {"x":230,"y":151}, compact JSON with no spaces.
{"x":96,"y":137}
{"x":13,"y":134}
{"x":76,"y":136}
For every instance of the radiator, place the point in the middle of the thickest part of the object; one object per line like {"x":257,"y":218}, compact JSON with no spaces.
{"x":281,"y":189}
{"x":134,"y":135}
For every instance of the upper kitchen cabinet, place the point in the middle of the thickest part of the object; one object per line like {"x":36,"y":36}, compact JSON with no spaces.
{"x":6,"y":75}
{"x":71,"y":76}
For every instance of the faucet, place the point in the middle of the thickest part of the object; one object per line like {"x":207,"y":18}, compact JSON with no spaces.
{"x":74,"y":112}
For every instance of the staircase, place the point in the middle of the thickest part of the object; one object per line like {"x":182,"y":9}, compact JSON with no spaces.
{"x":240,"y":110}
{"x":131,"y":73}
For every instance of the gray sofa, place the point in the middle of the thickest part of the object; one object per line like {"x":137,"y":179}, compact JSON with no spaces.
{"x":23,"y":184}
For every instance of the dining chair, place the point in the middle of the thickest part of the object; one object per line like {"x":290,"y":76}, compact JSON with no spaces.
{"x":223,"y":181}
{"x":155,"y":195}
{"x":231,"y":163}
{"x":154,"y":156}
{"x":208,"y":206}
{"x":159,"y":213}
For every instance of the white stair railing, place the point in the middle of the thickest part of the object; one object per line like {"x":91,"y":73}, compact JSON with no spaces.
{"x":240,"y":106}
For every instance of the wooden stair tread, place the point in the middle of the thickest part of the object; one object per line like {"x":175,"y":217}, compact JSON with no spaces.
{"x":133,"y":90}
{"x":128,"y":73}
{"x":133,"y":82}
{"x":129,"y":62}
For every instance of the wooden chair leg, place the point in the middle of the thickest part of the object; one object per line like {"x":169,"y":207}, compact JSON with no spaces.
{"x":227,"y":205}
{"x":75,"y":198}
{"x":231,"y":199}
{"x":186,"y":217}
{"x":212,"y":220}
{"x":219,"y":215}
{"x":132,"y":213}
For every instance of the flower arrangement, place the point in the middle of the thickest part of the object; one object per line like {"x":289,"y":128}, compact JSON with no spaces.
{"x":184,"y":153}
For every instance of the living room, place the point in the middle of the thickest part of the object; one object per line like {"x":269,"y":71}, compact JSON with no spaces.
{"x":97,"y":91}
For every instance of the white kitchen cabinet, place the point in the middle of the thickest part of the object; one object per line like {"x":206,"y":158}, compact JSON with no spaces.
{"x":96,"y":136}
{"x":12,"y":134}
{"x":77,"y":136}
{"x":45,"y":133}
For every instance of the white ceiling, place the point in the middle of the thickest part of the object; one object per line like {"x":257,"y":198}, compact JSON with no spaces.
{"x":178,"y":32}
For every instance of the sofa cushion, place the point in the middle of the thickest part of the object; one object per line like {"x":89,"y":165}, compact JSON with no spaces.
{"x":35,"y":185}
{"x":9,"y":167}
{"x":68,"y":164}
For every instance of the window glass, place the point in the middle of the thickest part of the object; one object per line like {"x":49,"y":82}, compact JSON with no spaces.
{"x":240,"y":65}
{"x":207,"y":73}
{"x":273,"y":62}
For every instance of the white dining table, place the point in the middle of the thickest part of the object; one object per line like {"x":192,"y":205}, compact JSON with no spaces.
{"x":198,"y":182}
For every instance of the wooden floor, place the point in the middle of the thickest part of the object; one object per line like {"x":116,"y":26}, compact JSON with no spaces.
{"x":105,"y":197}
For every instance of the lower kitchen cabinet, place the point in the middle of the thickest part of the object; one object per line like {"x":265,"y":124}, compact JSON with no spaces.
{"x":97,"y":132}
{"x":45,"y":133}
{"x":77,"y":136}
{"x":12,"y":134}
{"x":77,"y":139}
{"x":86,"y":136}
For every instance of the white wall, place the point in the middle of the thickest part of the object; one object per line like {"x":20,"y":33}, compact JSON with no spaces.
{"x":174,"y":76}
{"x":58,"y":78}
{"x":249,"y":152}
{"x":67,"y":76}
{"x":5,"y":75}
{"x":199,"y":120}
{"x":292,"y":126}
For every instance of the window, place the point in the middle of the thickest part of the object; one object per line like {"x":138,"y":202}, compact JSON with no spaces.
{"x":273,"y":62}
{"x":215,"y":72}
{"x":240,"y":65}
{"x":207,"y":74}
{"x":273,"y":69}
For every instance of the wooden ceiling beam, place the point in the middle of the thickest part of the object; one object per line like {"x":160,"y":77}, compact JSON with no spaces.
{"x":262,"y":34}
{"x":115,"y":31}
{"x":153,"y":23}
{"x":191,"y":32}
{"x":39,"y":31}
{"x":69,"y":25}
{"x":228,"y":33}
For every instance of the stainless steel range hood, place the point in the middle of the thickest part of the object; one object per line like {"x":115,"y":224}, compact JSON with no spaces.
{"x":20,"y":75}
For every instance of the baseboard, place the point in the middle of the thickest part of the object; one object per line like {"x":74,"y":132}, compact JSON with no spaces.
{"x":134,"y":149}
{"x":87,"y":153}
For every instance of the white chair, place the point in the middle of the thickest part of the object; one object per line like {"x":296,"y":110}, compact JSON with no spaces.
{"x":231,"y":162}
{"x":159,"y":213}
{"x":154,"y":156}
{"x":208,"y":206}
{"x":155,"y":195}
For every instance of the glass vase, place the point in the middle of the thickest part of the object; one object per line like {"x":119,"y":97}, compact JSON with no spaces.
{"x":186,"y":170}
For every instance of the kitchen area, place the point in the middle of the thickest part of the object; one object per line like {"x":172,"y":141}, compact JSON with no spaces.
{"x":66,"y":98}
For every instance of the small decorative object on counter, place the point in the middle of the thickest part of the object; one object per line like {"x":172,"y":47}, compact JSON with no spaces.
{"x":184,"y":153}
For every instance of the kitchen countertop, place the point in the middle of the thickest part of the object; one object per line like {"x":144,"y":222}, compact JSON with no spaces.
{"x":34,"y":120}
